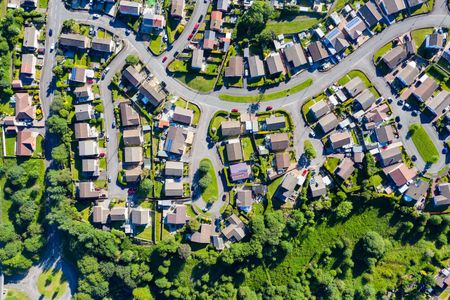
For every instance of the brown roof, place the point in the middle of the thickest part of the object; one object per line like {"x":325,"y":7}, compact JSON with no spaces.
{"x":234,"y":151}
{"x":132,"y":136}
{"x":178,"y":217}
{"x":74,"y":40}
{"x":233,"y":232}
{"x":345,"y":168}
{"x":239,"y":171}
{"x":84,"y":131}
{"x":279,"y":141}
{"x":418,"y":190}
{"x":216,"y":20}
{"x":393,"y":6}
{"x":400,"y":173}
{"x":100,"y":214}
{"x":385,"y":134}
{"x":328,"y":123}
{"x":275,"y":122}
{"x":274,"y":64}
{"x":175,"y":140}
{"x":24,"y":108}
{"x":102,"y":44}
{"x":152,"y":92}
{"x":177,"y":8}
{"x":340,"y":139}
{"x":426,"y":89}
{"x":354,"y":86}
{"x":244,"y":198}
{"x":140,"y":216}
{"x":235,"y":67}
{"x":119,"y":213}
{"x":133,"y":174}
{"x":133,"y":155}
{"x":319,"y":109}
{"x":317,"y":51}
{"x":86,"y":190}
{"x":295,"y":55}
{"x":204,"y":235}
{"x":128,"y":115}
{"x":183,"y":115}
{"x":391,"y":156}
{"x":370,"y":13}
{"x":173,"y":189}
{"x":395,"y":56}
{"x":282,"y":160}
{"x":133,"y":76}
{"x":174,"y":168}
{"x":26,"y":143}
{"x":230,"y":128}
{"x":28,"y":65}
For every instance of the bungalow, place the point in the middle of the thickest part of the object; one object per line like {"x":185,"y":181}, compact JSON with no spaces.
{"x":132,"y":173}
{"x":26,"y":143}
{"x":384,"y":134}
{"x":317,"y":51}
{"x":354,"y":86}
{"x":78,"y":41}
{"x":130,"y":8}
{"x":354,"y":28}
{"x":317,"y":186}
{"x":88,"y":148}
{"x":408,"y":74}
{"x":209,"y":40}
{"x":84,"y":131}
{"x":234,"y":150}
{"x":282,"y":161}
{"x":230,"y":128}
{"x":274,"y":64}
{"x":395,"y":56}
{"x":204,"y":236}
{"x":377,"y":114}
{"x":175,"y":140}
{"x":197,"y":59}
{"x":275,"y":122}
{"x":400,"y":173}
{"x":218,"y":242}
{"x":152,"y":22}
{"x":178,"y":216}
{"x":370,"y":14}
{"x":240,"y":171}
{"x":102,"y":45}
{"x":140,"y":216}
{"x":30,"y":39}
{"x":223,"y":5}
{"x":328,"y":123}
{"x":279,"y":141}
{"x":340,"y":139}
{"x":295,"y":56}
{"x":235,"y":67}
{"x":86,"y":190}
{"x":177,"y":9}
{"x":119,"y":214}
{"x":437,"y":105}
{"x":244,"y":200}
{"x":133,"y":76}
{"x":100,"y":214}
{"x":25,"y":110}
{"x":435,"y":41}
{"x":364,"y":100}
{"x":132,"y":137}
{"x":83,"y":93}
{"x":345,"y":168}
{"x":151,"y":92}
{"x":183,"y":115}
{"x":216,"y":21}
{"x":417,"y":191}
{"x":444,"y":194}
{"x":335,"y":40}
{"x":287,"y":188}
{"x":133,"y":155}
{"x":78,"y":75}
{"x":426,"y":88}
{"x":256,"y":66}
{"x":174,"y":168}
{"x":392,"y":6}
{"x":234,"y":230}
{"x":90,"y":167}
{"x":390,"y":156}
{"x":28,"y":67}
{"x":84,"y":112}
{"x":319,"y":109}
{"x":173,"y":189}
{"x":128,"y":115}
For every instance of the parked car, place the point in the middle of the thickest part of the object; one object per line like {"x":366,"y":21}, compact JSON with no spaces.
{"x":269,"y":108}
{"x":190,"y":36}
{"x":397,"y":119}
{"x":413,"y":158}
{"x":109,"y":179}
{"x":399,"y":125}
{"x":235,"y":110}
{"x":95,"y":16}
{"x":50,"y":32}
{"x":379,"y":100}
{"x":407,"y":106}
{"x":164,"y":59}
{"x":107,"y":138}
{"x":444,"y":151}
{"x":106,"y":70}
{"x":113,"y":124}
{"x":400,"y":102}
{"x":196,"y":26}
{"x":414,"y":113}
{"x":52,"y":47}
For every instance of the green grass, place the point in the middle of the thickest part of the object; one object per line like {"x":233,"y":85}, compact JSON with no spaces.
{"x":298,"y":24}
{"x":247,"y":147}
{"x":201,"y":83}
{"x":382,"y":51}
{"x":331,"y":164}
{"x":419,"y":36}
{"x":352,"y":74}
{"x":16,"y":295}
{"x":272,"y":187}
{"x":146,"y":234}
{"x":3,"y":7}
{"x":156,"y":45}
{"x":43,"y":3}
{"x":423,"y":143}
{"x":10,"y":144}
{"x":211,"y":193}
{"x":267,"y":97}
{"x":182,"y":103}
{"x":51,"y":284}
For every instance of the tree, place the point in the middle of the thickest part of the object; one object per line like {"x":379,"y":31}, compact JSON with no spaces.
{"x":372,"y":246}
{"x":344,"y":209}
{"x":204,"y":167}
{"x":310,"y":152}
{"x":254,"y":19}
{"x":58,"y":70}
{"x":184,"y":251}
{"x":132,"y":60}
{"x":205,"y":181}
{"x":57,"y":125}
{"x":145,"y":187}
{"x":16,"y":176}
{"x":60,"y":155}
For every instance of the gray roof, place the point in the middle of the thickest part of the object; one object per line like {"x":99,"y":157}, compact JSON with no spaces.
{"x":408,"y":74}
{"x":391,"y":156}
{"x":256,"y":66}
{"x":173,"y":189}
{"x":393,"y":6}
{"x":197,"y":58}
{"x":279,"y":141}
{"x":395,"y":56}
{"x":438,"y":103}
{"x":328,"y":123}
{"x":183,"y":115}
{"x":140,"y":216}
{"x":340,"y":139}
{"x":385,"y":134}
{"x":365,"y":99}
{"x":132,"y":136}
{"x":128,"y":114}
{"x":175,"y":140}
{"x":244,"y":198}
{"x":345,"y":168}
{"x":287,"y":187}
{"x":223,"y":5}
{"x":295,"y":55}
{"x":133,"y":76}
{"x":319,"y":109}
{"x":370,"y":13}
{"x":235,"y":67}
{"x":174,"y":168}
{"x":74,"y":40}
{"x":317,"y":51}
{"x":354,"y":86}
{"x":274,"y":64}
{"x":275,"y":122}
{"x":317,"y":186}
{"x":230,"y":128}
{"x":234,"y":151}
{"x":133,"y":154}
{"x":102,"y":44}
{"x":30,"y":38}
{"x":153,"y":92}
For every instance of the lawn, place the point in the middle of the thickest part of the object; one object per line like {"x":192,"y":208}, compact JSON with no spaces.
{"x":51,"y":284}
{"x":352,"y":74}
{"x":198,"y":82}
{"x":182,"y":103}
{"x":273,"y":186}
{"x":10,"y":144}
{"x":43,"y":3}
{"x":382,"y":51}
{"x":146,"y":234}
{"x":331,"y":164}
{"x":16,"y":295}
{"x":419,"y":36}
{"x":298,"y":24}
{"x":157,"y":45}
{"x":423,"y":143}
{"x":247,"y":147}
{"x":3,"y":7}
{"x":267,"y":97}
{"x":211,"y":193}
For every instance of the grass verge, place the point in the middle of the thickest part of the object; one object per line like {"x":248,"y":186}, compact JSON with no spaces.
{"x":211,"y":193}
{"x":423,"y":143}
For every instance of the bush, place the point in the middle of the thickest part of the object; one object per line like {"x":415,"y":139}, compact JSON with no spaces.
{"x":132,"y":60}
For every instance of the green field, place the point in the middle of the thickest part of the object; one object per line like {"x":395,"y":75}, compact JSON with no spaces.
{"x":211,"y":193}
{"x":382,"y":51}
{"x":16,"y":295}
{"x":423,"y":143}
{"x":198,"y":82}
{"x":294,"y":26}
{"x":51,"y":284}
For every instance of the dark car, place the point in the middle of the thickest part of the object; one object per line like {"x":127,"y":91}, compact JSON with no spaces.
{"x":397,"y":119}
{"x":444,"y":151}
{"x":50,"y":32}
{"x":164,"y":59}
{"x":413,"y":158}
{"x":200,"y":19}
{"x":269,"y":108}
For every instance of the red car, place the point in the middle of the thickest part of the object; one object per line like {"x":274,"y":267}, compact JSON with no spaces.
{"x":190,"y":36}
{"x":164,"y":59}
{"x":196,"y":26}
{"x":269,"y":107}
{"x":235,"y":110}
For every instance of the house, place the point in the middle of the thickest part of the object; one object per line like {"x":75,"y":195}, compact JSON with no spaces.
{"x":317,"y":186}
{"x":385,"y":134}
{"x":345,"y":168}
{"x":234,"y":230}
{"x":256,"y":66}
{"x":152,"y":22}
{"x":408,"y":74}
{"x":223,"y":5}
{"x":295,"y":56}
{"x":78,"y":75}
{"x":287,"y":188}
{"x":414,"y":3}
{"x":174,"y":168}
{"x":279,"y":141}
{"x":26,"y":143}
{"x":234,"y":150}
{"x":128,"y":116}
{"x":274,"y":64}
{"x":370,"y":14}
{"x":335,"y":40}
{"x":88,"y":148}
{"x":395,"y":56}
{"x":239,"y":171}
{"x":340,"y":139}
{"x":130,"y":8}
{"x":328,"y":123}
{"x":282,"y":161}
{"x":218,"y":242}
{"x":85,"y":131}
{"x":133,"y":155}
{"x":235,"y":67}
{"x":84,"y":112}
{"x":140,"y":216}
{"x":197,"y":59}
{"x":183,"y":115}
{"x":275,"y":122}
{"x":30,"y":39}
{"x":443,"y":198}
{"x":178,"y":216}
{"x":90,"y":166}
{"x":132,"y":137}
{"x":392,"y":6}
{"x":28,"y":67}
{"x":100,"y":214}
{"x":216,"y":21}
{"x":230,"y":128}
{"x":118,"y":214}
{"x":319,"y":109}
{"x":204,"y":235}
{"x":400,"y":173}
{"x":133,"y":76}
{"x":209,"y":40}
{"x":175,"y":140}
{"x":70,"y":40}
{"x":437,"y":105}
{"x":132,"y":174}
{"x":102,"y":45}
{"x":173,"y":189}
{"x":364,"y":100}
{"x":426,"y":88}
{"x":435,"y":41}
{"x":354,"y":86}
{"x":86,"y":190}
{"x":354,"y":28}
{"x":244,"y":200}
{"x":151,"y":92}
{"x":177,"y":9}
{"x":377,"y":114}
{"x":25,"y":110}
{"x":335,"y":18}
{"x":417,"y":191}
{"x":83,"y":93}
{"x":317,"y":51}
{"x":390,"y":156}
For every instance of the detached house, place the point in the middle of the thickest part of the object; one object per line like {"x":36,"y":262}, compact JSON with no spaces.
{"x":86,"y":190}
{"x":426,"y":88}
{"x":132,"y":136}
{"x":274,"y":64}
{"x":244,"y":200}
{"x":84,"y":112}
{"x":370,"y":14}
{"x":235,"y":67}
{"x":102,"y":45}
{"x":77,"y":75}
{"x":175,"y":141}
{"x":28,"y":67}
{"x":390,"y":156}
{"x":443,"y":198}
{"x":177,"y":9}
{"x":392,"y":6}
{"x":240,"y":171}
{"x":174,"y":168}
{"x":279,"y":141}
{"x":317,"y":51}
{"x":133,"y":76}
{"x":230,"y":128}
{"x":345,"y":168}
{"x":130,"y":8}
{"x":400,"y":173}
{"x":173,"y":189}
{"x":354,"y":28}
{"x":234,"y":150}
{"x":216,"y":21}
{"x":340,"y":139}
{"x":152,"y":93}
{"x":30,"y":39}
{"x":256,"y":66}
{"x":26,"y":143}
{"x":328,"y":123}
{"x":152,"y":22}
{"x":128,"y":115}
{"x":183,"y":115}
{"x":354,"y":86}
{"x":25,"y":110}
{"x":197,"y":59}
{"x":364,"y":100}
{"x":319,"y":109}
{"x":177,"y":217}
{"x":435,"y":41}
{"x":335,"y":40}
{"x":84,"y":131}
{"x":295,"y":56}
{"x":70,"y":40}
